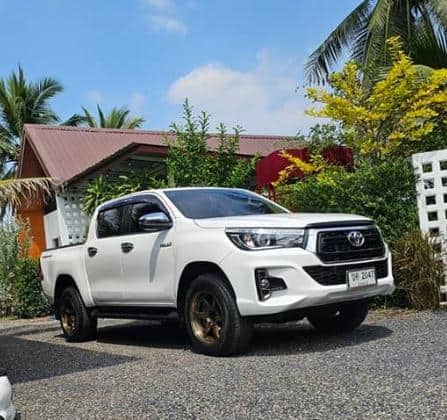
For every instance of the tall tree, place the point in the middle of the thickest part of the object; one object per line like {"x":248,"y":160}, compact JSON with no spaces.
{"x":23,"y":102}
{"x":116,"y":118}
{"x":420,"y":24}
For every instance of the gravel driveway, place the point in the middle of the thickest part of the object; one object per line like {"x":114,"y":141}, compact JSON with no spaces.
{"x":394,"y":366}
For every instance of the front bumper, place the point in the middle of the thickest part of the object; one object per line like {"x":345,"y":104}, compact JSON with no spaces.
{"x":302,"y":290}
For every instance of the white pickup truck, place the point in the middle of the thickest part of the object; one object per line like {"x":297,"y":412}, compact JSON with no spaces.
{"x":218,"y":260}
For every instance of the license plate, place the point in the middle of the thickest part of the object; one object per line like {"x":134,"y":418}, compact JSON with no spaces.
{"x":361,"y":278}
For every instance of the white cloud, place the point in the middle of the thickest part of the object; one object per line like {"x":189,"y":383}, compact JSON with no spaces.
{"x":136,"y":102}
{"x":164,"y":16}
{"x":158,"y":4}
{"x":94,"y":96}
{"x":168,"y":24}
{"x":263,"y":100}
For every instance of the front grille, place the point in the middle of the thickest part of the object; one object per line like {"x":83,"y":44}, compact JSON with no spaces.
{"x":330,"y":276}
{"x":334,"y":246}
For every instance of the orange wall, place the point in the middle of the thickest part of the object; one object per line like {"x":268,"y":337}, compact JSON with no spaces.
{"x":35,"y":220}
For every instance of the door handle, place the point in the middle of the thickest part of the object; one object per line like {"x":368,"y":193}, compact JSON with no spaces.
{"x":126,"y":247}
{"x":92,"y":251}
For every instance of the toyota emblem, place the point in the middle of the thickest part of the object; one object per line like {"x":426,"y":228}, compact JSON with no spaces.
{"x":356,"y":238}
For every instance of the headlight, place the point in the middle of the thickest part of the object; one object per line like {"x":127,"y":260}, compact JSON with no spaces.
{"x":257,"y":239}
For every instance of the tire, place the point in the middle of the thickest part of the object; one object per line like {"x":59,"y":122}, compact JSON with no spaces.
{"x":76,"y":323}
{"x":341,"y":318}
{"x":212,"y":318}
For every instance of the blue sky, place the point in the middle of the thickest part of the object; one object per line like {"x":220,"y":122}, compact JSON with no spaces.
{"x":239,"y":60}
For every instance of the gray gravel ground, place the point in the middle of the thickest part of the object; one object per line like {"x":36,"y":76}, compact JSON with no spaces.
{"x":394,"y":366}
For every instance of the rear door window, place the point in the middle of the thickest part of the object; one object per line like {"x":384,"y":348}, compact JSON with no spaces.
{"x":109,"y":222}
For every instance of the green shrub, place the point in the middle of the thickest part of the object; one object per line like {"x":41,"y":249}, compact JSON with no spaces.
{"x":106,"y":187}
{"x":190,"y":163}
{"x":384,"y":191}
{"x":10,"y":252}
{"x":418,"y":271}
{"x":20,"y":286}
{"x":29,"y":301}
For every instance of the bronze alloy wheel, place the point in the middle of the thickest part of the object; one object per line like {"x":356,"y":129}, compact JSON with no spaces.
{"x":206,"y":317}
{"x":68,"y":316}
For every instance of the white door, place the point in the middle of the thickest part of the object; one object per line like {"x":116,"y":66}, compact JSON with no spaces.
{"x":103,"y":258}
{"x":147,"y":259}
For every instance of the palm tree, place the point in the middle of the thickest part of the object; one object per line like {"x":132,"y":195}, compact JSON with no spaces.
{"x":23,"y":102}
{"x":116,"y":118}
{"x":17,"y":191}
{"x":420,"y":24}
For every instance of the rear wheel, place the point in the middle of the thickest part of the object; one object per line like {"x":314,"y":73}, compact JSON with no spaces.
{"x":344,"y":317}
{"x":212,"y":318}
{"x":76,"y":323}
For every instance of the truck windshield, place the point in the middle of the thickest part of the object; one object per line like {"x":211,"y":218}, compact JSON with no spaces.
{"x":208,"y":203}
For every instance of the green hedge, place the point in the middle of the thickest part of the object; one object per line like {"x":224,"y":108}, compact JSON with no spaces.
{"x":29,"y":301}
{"x":20,"y":286}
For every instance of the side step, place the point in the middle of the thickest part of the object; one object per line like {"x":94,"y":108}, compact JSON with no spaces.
{"x":132,"y":312}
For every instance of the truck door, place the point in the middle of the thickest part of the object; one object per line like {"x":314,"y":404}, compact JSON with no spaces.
{"x":103,"y":257}
{"x":147,"y":258}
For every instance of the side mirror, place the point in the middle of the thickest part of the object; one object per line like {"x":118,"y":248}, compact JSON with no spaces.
{"x":153,"y":222}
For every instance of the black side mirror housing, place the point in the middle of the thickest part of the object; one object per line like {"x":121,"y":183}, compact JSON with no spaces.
{"x":153,"y":222}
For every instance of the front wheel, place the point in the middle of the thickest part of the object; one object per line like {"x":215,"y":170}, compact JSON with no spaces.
{"x":76,"y":323}
{"x":212,"y":318}
{"x":344,"y":317}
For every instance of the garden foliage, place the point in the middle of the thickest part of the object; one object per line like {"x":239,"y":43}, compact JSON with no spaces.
{"x":397,"y":115}
{"x":385,"y":192}
{"x":418,"y":271}
{"x":20,"y":287}
{"x":190,"y":162}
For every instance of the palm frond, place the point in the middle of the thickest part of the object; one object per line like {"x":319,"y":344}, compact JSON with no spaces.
{"x":74,"y":120}
{"x":438,"y":11}
{"x":134,"y":122}
{"x":429,"y":44}
{"x":421,"y":26}
{"x":18,"y":191}
{"x":89,"y":118}
{"x":327,"y":54}
{"x":102,"y":118}
{"x":116,"y":118}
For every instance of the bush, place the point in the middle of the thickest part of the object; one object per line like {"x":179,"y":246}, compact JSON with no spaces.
{"x":107,"y":187}
{"x":29,"y":301}
{"x":190,"y":163}
{"x":418,"y":271}
{"x":384,"y":191}
{"x":20,"y":286}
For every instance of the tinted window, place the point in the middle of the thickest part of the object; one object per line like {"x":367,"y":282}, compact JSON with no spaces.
{"x":140,"y":209}
{"x":109,"y":222}
{"x":207,"y":203}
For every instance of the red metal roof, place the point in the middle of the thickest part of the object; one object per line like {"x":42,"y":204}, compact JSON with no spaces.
{"x":66,"y":152}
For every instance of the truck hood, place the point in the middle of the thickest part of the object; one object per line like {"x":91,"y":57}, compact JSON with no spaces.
{"x":282,"y":220}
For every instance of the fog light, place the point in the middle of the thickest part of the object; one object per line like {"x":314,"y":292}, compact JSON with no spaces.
{"x":266,"y":284}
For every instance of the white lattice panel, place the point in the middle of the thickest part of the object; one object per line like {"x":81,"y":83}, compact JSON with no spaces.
{"x":72,"y":220}
{"x":431,"y":167}
{"x":432,"y":190}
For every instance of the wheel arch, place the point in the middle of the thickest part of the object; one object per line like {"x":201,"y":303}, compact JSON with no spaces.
{"x":191,"y":272}
{"x":62,"y":282}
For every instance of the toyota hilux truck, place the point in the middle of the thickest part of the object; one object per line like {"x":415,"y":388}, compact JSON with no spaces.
{"x":218,"y":260}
